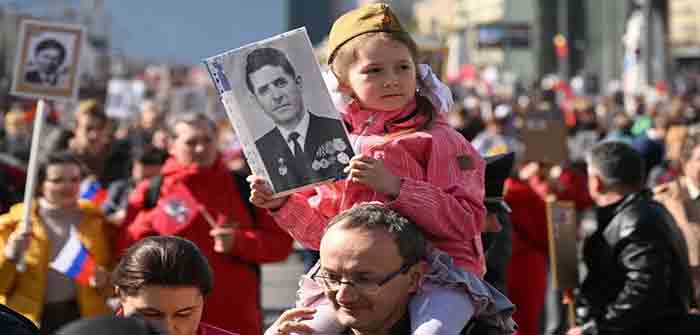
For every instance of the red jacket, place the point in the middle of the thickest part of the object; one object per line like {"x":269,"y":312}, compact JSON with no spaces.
{"x":527,"y":269}
{"x":234,"y":304}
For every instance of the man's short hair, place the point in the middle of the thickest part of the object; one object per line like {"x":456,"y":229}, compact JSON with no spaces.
{"x":369,"y":216}
{"x":617,"y":164}
{"x":50,"y":43}
{"x":266,"y":56}
{"x":189,"y":118}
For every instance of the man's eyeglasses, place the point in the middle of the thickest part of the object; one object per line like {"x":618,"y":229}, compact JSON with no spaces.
{"x":365,"y":286}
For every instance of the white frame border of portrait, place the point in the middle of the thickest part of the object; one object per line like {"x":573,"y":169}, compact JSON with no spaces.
{"x":233,"y":104}
{"x":27,"y":29}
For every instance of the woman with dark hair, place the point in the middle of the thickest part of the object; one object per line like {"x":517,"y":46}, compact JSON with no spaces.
{"x":166,"y":279}
{"x":111,"y":325}
{"x":53,"y":290}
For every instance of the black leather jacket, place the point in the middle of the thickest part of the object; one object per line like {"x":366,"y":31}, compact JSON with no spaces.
{"x":638,"y":274}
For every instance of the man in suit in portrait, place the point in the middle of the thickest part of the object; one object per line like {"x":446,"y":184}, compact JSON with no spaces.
{"x":302,"y":148}
{"x":49,"y":56}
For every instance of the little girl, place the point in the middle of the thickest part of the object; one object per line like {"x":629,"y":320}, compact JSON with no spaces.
{"x":407,"y":158}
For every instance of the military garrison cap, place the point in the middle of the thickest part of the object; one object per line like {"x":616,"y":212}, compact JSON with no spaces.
{"x":370,"y":18}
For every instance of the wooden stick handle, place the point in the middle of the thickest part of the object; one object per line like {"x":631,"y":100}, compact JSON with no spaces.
{"x":208,"y":217}
{"x":26,"y":224}
{"x":570,"y":301}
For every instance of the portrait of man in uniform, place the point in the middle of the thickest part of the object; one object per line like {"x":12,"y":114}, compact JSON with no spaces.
{"x":303,"y":147}
{"x":47,"y":62}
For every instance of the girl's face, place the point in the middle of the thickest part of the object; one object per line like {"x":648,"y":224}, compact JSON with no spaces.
{"x":383,"y":76}
{"x":62,"y":185}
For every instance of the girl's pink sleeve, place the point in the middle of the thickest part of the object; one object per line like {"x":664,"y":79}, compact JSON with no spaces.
{"x":449,"y":204}
{"x":305,"y":223}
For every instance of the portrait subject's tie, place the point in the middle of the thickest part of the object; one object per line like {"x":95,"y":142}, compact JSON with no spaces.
{"x":294,"y":137}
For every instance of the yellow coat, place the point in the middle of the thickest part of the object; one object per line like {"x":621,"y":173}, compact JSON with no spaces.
{"x":24,"y":291}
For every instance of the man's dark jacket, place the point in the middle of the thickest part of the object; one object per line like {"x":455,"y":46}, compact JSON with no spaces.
{"x":288,"y":172}
{"x":638,"y":276}
{"x":13,"y":323}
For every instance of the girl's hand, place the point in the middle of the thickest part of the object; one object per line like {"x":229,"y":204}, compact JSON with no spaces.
{"x":370,"y":171}
{"x":261,"y":194}
{"x":290,"y":322}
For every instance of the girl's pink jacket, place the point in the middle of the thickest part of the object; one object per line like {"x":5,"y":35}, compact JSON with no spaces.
{"x":442,"y":189}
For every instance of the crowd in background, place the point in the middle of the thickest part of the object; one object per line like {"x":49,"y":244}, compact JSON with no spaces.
{"x":116,"y":156}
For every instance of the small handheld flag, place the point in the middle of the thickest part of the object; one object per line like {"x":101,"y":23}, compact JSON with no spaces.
{"x":74,"y":260}
{"x":92,"y":190}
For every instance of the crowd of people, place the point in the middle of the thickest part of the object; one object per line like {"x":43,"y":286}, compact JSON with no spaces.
{"x":176,"y":228}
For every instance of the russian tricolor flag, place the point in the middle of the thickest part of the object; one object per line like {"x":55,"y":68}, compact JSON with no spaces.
{"x":74,"y":260}
{"x":92,"y":190}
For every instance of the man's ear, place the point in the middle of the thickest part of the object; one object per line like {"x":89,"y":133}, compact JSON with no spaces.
{"x":416,"y":275}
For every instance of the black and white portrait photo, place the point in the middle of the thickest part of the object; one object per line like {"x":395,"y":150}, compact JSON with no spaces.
{"x":47,"y":60}
{"x":278,"y":95}
{"x":46,"y":66}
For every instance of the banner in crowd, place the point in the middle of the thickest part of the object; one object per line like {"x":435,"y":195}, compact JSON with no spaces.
{"x":563,"y":254}
{"x":124,"y":98}
{"x":189,"y":98}
{"x":47,"y":60}
{"x":544,"y":136}
{"x":281,"y":110}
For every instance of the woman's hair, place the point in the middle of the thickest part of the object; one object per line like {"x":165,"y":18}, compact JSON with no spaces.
{"x":92,"y":108}
{"x":346,"y":55}
{"x":56,"y":158}
{"x":111,"y":325}
{"x":163,"y":261}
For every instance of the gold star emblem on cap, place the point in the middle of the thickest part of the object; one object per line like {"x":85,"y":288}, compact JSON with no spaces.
{"x":386,"y":20}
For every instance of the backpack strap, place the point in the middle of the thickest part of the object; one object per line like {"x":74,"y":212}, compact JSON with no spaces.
{"x":153,"y":191}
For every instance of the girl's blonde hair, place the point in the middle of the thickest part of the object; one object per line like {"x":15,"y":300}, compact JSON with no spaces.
{"x":346,"y":55}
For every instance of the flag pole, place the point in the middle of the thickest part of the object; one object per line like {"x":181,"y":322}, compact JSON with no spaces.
{"x":29,"y":186}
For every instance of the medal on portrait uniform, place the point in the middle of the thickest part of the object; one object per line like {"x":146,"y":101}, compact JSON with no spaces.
{"x":282,"y":169}
{"x":343,"y":158}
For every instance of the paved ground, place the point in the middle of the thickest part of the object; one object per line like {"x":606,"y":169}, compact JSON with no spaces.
{"x":279,"y":286}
